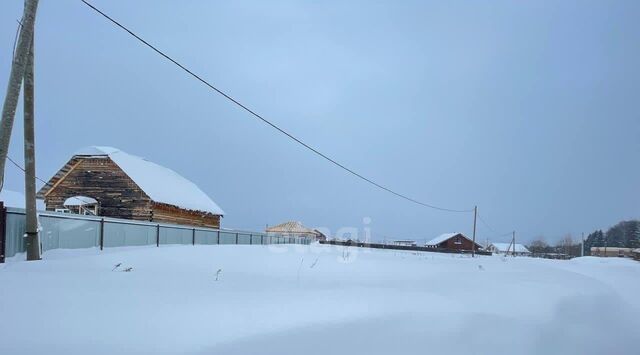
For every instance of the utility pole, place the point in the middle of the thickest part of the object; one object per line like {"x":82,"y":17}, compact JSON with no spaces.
{"x":15,"y":81}
{"x":473,"y":247}
{"x":31,"y":227}
{"x":513,"y":241}
{"x":582,"y":245}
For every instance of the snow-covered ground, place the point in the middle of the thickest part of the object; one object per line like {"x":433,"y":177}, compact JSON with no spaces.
{"x":315,"y":300}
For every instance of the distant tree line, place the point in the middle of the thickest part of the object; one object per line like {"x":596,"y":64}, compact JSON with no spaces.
{"x":567,"y":245}
{"x":625,"y":234}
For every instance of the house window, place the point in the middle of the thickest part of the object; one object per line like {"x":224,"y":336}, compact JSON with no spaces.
{"x":457,"y":240}
{"x":63,"y":210}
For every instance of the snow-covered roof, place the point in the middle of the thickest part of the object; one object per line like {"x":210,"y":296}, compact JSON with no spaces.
{"x":291,"y":227}
{"x":161,"y":184}
{"x":502,"y":247}
{"x":16,"y":199}
{"x":443,"y":237}
{"x":80,"y":201}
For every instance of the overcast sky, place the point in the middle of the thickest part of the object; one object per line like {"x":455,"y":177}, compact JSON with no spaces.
{"x":529,"y":110}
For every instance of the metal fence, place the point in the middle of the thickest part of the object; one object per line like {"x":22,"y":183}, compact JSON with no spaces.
{"x":401,"y":247}
{"x":70,"y":231}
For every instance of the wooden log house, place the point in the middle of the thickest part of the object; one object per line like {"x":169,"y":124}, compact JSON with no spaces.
{"x":127,"y":186}
{"x":453,"y":241}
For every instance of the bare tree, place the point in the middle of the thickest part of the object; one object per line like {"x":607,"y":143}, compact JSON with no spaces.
{"x":567,"y":243}
{"x":539,"y":246}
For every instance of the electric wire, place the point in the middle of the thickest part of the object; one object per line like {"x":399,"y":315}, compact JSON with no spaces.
{"x":497,"y":234}
{"x":268,"y":122}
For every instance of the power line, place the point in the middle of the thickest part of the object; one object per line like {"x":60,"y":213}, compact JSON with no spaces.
{"x":39,"y":179}
{"x":273,"y":125}
{"x":15,"y":40}
{"x":498,"y":234}
{"x":23,"y":170}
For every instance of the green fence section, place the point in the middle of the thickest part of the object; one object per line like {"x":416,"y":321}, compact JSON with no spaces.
{"x":70,"y":231}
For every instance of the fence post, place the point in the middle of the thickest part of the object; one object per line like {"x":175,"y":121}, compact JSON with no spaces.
{"x":193,"y":237}
{"x":3,"y":232}
{"x":101,"y":233}
{"x":250,"y":239}
{"x":236,"y":238}
{"x":218,"y":237}
{"x":158,"y":235}
{"x":261,"y":239}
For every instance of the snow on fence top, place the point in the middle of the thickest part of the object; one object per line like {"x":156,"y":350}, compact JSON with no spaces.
{"x":161,"y":184}
{"x":12,"y":198}
{"x":17,"y":200}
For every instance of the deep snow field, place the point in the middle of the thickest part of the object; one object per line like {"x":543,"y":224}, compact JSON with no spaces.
{"x":315,"y":300}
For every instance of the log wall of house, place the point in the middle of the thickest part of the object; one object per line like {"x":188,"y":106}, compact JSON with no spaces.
{"x":100,"y":178}
{"x":170,"y":214}
{"x":118,"y":196}
{"x":451,"y":244}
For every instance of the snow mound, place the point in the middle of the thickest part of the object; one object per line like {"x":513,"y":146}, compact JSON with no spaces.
{"x":314,"y":300}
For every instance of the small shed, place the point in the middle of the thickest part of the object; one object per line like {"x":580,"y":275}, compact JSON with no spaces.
{"x":109,"y":182}
{"x":509,"y":248}
{"x":453,"y":241}
{"x":80,"y":205}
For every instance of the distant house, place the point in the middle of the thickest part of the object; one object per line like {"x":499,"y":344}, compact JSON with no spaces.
{"x":611,"y":251}
{"x":509,"y":248}
{"x":108,"y":182}
{"x":453,"y":241}
{"x":320,"y":236}
{"x":407,"y":243}
{"x":295,"y":229}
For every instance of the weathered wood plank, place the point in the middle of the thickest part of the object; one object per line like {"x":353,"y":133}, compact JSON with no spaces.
{"x":118,"y":196}
{"x":100,"y":178}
